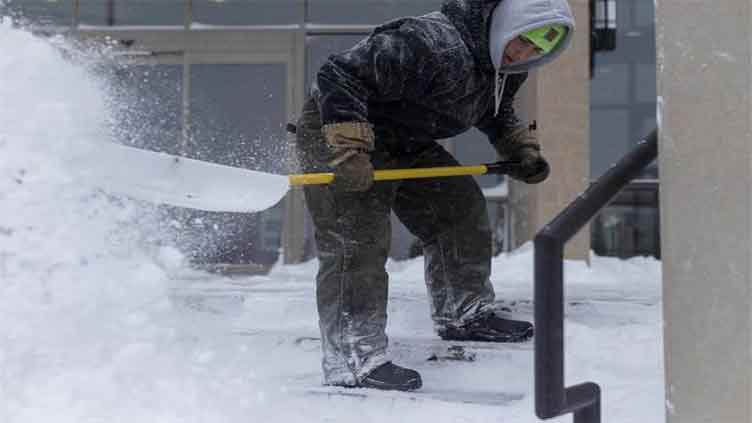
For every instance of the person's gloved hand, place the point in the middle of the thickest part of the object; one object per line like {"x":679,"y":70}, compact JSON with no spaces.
{"x":351,"y":143}
{"x":521,"y":145}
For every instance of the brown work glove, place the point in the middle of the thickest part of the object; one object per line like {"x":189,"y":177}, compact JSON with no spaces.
{"x":351,"y":143}
{"x":521,"y":145}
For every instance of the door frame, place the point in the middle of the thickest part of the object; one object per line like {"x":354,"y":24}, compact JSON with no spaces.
{"x":223,"y":45}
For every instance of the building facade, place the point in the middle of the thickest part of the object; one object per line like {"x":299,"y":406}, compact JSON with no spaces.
{"x":219,"y":81}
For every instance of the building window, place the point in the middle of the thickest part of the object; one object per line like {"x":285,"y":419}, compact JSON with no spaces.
{"x":603,"y":24}
{"x":622,"y":112}
{"x":630,"y":225}
{"x":367,"y":12}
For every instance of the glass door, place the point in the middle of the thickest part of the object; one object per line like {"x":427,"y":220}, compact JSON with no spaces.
{"x":219,"y":95}
{"x":238,"y":115}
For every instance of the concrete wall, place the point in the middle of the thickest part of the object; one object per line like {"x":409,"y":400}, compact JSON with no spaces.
{"x":558,"y":97}
{"x":705,"y":161}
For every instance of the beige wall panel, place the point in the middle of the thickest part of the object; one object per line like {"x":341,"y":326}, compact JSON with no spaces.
{"x":704,"y":84}
{"x":558,"y":97}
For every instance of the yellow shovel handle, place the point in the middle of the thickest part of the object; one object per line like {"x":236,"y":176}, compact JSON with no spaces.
{"x":394,"y":174}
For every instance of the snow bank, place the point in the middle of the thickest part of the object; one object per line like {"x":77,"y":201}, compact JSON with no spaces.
{"x":78,"y":294}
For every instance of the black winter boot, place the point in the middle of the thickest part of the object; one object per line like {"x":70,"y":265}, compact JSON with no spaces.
{"x":488,"y":326}
{"x":391,"y":377}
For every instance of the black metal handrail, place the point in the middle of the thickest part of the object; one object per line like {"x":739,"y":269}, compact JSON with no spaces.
{"x":552,"y":398}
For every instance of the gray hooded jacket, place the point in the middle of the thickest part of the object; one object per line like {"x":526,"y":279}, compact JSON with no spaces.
{"x":510,"y":19}
{"x":435,"y":76}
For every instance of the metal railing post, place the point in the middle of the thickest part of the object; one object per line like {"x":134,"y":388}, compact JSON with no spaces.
{"x":552,"y":399}
{"x":549,"y":326}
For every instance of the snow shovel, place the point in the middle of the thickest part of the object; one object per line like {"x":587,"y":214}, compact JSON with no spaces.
{"x":162,"y":178}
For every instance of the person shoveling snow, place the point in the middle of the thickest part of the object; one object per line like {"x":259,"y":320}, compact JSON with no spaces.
{"x":384,"y":103}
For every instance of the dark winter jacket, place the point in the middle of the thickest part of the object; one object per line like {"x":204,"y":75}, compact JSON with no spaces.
{"x":425,"y":77}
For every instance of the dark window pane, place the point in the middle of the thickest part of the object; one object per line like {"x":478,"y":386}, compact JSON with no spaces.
{"x":238,"y":115}
{"x":247,"y":12}
{"x":610,"y":85}
{"x":367,"y":12}
{"x":146,"y":105}
{"x":623,"y":88}
{"x":238,"y":112}
{"x":646,"y":83}
{"x":630,"y":225}
{"x":149,"y":12}
{"x":609,"y":132}
{"x":40,"y":12}
{"x":96,"y":12}
{"x":645,"y":17}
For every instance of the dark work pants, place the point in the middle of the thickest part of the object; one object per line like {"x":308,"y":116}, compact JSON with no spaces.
{"x":352,"y":232}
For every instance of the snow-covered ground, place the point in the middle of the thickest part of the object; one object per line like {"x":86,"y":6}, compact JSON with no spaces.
{"x":97,"y":325}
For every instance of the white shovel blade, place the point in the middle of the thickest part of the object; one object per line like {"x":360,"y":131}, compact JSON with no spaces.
{"x":178,"y":181}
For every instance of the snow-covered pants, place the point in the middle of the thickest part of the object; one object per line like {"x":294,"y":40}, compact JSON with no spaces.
{"x":352,"y":231}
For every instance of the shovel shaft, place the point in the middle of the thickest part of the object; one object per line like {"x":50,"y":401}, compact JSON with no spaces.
{"x":395,"y":174}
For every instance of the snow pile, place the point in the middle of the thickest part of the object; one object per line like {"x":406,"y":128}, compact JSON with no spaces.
{"x":77,"y":293}
{"x":93,"y":327}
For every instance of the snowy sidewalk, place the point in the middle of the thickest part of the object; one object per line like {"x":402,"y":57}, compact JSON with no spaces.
{"x":120,"y":341}
{"x":261,"y":334}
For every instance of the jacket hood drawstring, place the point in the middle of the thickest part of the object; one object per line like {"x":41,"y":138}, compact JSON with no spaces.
{"x":501,"y":82}
{"x":509,"y":19}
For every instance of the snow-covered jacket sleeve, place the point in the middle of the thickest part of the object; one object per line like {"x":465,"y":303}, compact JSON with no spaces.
{"x":497,"y":127}
{"x":393,"y":63}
